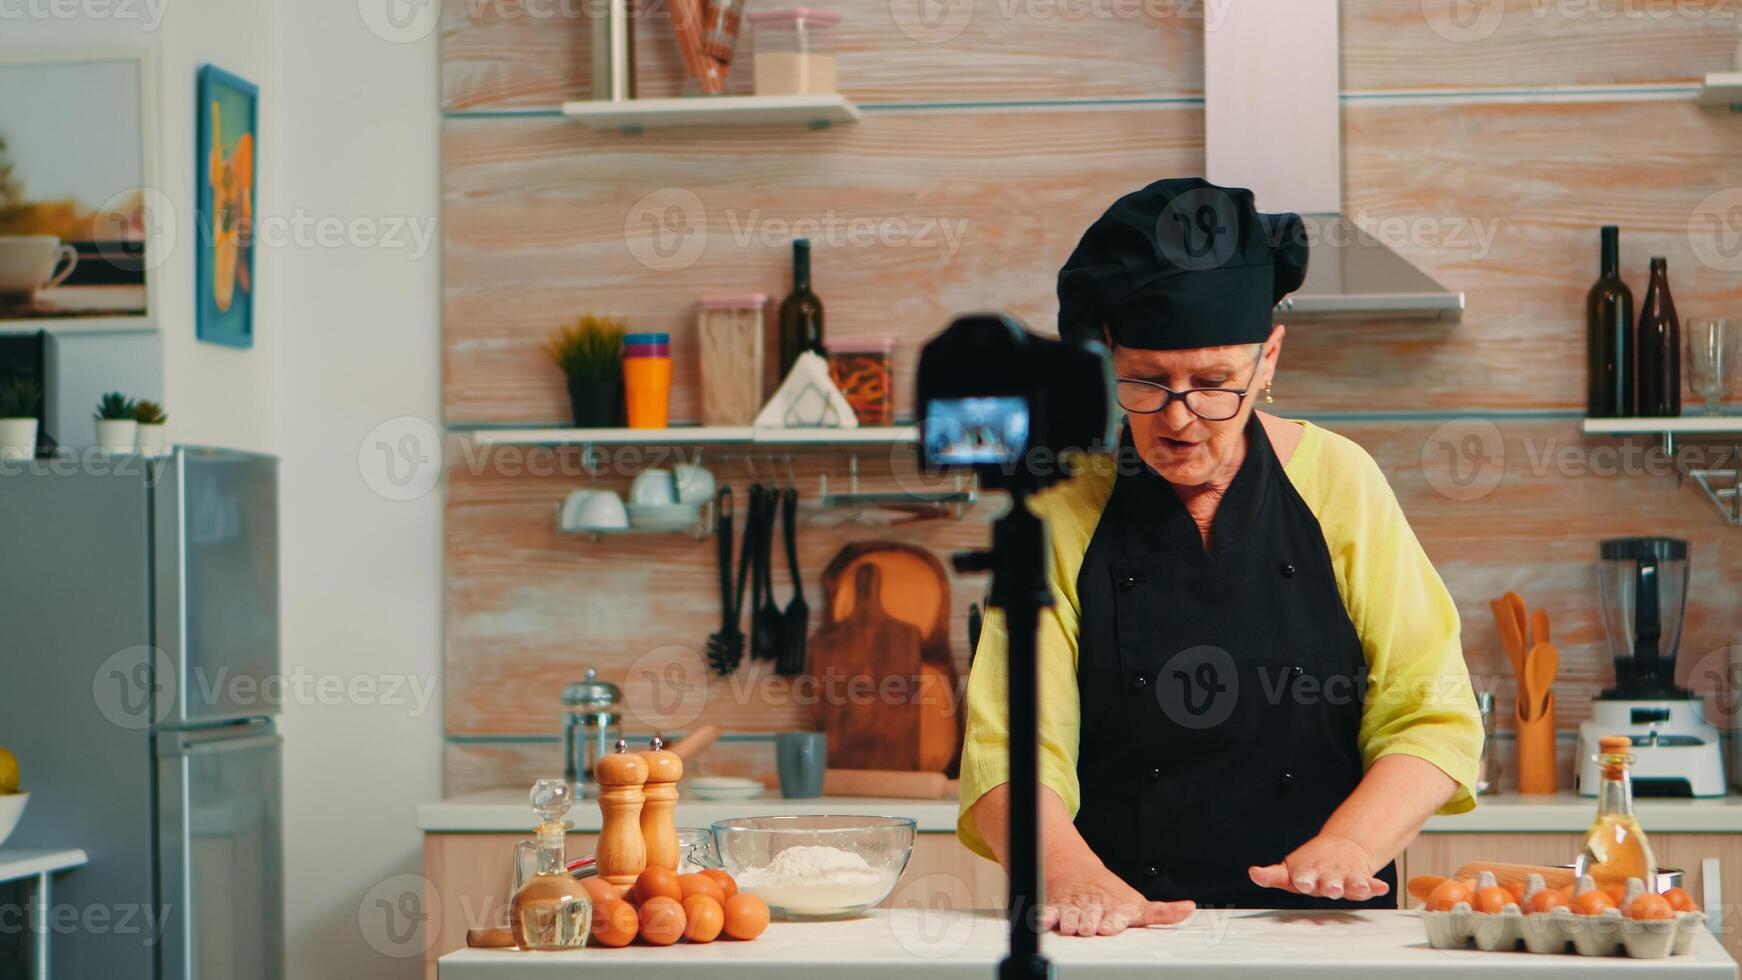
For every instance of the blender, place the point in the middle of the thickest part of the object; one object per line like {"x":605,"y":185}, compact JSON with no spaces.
{"x":1644,"y":582}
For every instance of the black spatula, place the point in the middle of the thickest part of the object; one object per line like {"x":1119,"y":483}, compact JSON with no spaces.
{"x":795,"y":622}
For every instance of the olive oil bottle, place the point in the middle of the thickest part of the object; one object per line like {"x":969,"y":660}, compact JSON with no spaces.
{"x":1615,"y":848}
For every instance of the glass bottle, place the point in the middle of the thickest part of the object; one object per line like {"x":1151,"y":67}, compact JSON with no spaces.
{"x":1609,"y":337}
{"x":801,"y":313}
{"x":550,"y":910}
{"x":1615,"y":848}
{"x":1659,"y":351}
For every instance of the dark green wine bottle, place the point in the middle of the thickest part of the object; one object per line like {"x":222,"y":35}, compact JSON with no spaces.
{"x":1609,"y":337}
{"x":801,"y":313}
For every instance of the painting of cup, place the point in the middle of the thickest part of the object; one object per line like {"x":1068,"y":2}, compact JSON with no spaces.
{"x":29,"y":263}
{"x":80,"y":226}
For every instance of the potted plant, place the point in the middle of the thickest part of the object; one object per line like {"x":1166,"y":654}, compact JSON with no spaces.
{"x":151,"y":419}
{"x":117,"y":429}
{"x":20,"y":401}
{"x":590,"y":354}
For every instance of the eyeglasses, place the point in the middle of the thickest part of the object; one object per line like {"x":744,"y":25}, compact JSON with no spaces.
{"x":1209,"y":404}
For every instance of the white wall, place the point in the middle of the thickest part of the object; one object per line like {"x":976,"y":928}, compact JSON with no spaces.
{"x":215,"y":395}
{"x":358,"y":347}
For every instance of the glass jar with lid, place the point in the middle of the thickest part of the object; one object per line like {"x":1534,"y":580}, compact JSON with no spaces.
{"x":794,"y":51}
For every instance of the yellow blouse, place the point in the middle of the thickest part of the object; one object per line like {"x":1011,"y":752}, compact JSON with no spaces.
{"x":1419,"y":701}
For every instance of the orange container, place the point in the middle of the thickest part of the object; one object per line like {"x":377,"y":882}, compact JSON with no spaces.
{"x":647,"y":391}
{"x":1536,"y":761}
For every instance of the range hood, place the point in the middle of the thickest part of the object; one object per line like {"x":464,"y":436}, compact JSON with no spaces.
{"x":1273,"y":123}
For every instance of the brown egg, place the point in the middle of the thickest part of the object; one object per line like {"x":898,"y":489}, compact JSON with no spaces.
{"x":1547,"y":900}
{"x":1649,"y":906}
{"x":724,"y":880}
{"x":615,"y":923}
{"x":1448,"y":894}
{"x":746,"y":916}
{"x":1680,"y":900}
{"x":600,"y":890}
{"x":1592,"y":902}
{"x":706,"y":918}
{"x":700,"y":884}
{"x":1517,"y":890}
{"x":1616,"y":893}
{"x":655,"y":883}
{"x":662,"y":921}
{"x":1491,"y":899}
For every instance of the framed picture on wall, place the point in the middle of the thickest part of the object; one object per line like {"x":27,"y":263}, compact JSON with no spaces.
{"x":224,"y":215}
{"x":84,"y":226}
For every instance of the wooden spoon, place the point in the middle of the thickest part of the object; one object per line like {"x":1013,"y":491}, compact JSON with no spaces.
{"x":1510,"y":638}
{"x":1541,"y":666}
{"x":1520,"y":618}
{"x":1539,"y":628}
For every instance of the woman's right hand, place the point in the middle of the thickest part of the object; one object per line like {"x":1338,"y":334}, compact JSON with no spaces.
{"x":1083,"y":898}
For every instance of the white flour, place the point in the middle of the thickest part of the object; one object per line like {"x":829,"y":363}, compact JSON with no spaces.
{"x":810,"y":879}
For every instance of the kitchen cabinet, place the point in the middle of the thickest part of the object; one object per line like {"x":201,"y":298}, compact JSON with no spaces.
{"x":467,"y":879}
{"x":1443,"y":853}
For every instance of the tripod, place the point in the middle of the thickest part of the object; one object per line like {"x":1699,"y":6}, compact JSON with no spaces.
{"x":1017,"y":561}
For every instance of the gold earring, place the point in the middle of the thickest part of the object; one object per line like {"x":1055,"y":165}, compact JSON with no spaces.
{"x":1269,"y":396}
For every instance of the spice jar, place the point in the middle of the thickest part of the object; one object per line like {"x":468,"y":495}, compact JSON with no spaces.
{"x":795,"y":52}
{"x":864,"y":369}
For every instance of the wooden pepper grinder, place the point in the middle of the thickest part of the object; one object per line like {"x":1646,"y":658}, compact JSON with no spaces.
{"x":658,"y":820}
{"x":622,"y":854}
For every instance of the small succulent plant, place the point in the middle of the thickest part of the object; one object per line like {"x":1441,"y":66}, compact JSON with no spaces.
{"x":20,"y":399}
{"x":149,"y":413}
{"x":115,"y":407}
{"x":589,"y":350}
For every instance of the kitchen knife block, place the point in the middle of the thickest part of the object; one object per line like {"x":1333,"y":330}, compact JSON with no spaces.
{"x":1536,"y":758}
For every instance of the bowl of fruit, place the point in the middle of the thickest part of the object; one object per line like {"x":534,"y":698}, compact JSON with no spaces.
{"x":12,"y":799}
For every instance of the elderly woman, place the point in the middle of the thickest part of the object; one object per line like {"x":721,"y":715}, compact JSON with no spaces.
{"x":1252,"y":690}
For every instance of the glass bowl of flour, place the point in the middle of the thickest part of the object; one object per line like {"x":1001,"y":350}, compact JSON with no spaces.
{"x":815,"y":867}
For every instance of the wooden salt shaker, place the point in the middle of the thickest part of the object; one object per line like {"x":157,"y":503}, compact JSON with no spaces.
{"x":622,"y":854}
{"x":658,"y":822}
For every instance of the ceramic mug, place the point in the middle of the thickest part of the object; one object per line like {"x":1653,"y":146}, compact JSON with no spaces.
{"x":29,"y":263}
{"x":594,"y":510}
{"x":800,"y":758}
{"x":654,"y":487}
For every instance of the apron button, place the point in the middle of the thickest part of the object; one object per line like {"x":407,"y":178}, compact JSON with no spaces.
{"x":1297,"y":670}
{"x":1155,"y":775}
{"x":1152,"y":872}
{"x":1287,"y":780}
{"x":1128,"y":583}
{"x":1287,"y":569}
{"x":1139,"y":682}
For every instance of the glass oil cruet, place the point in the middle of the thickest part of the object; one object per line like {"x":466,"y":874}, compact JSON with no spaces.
{"x":550,"y":910}
{"x":1616,"y":849}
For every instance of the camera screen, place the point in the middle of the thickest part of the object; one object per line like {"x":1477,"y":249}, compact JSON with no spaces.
{"x":974,"y":431}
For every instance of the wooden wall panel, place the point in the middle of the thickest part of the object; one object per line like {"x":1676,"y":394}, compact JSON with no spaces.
{"x":932,"y":215}
{"x":528,"y":608}
{"x":1389,"y":44}
{"x":535,"y":53}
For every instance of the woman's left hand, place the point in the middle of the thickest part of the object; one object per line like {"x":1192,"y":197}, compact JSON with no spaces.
{"x":1325,"y":867}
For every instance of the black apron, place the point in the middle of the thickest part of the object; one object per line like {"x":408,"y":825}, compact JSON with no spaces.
{"x":1221,"y":690}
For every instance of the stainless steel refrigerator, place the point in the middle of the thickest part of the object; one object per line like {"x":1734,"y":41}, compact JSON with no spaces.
{"x":139,"y":685}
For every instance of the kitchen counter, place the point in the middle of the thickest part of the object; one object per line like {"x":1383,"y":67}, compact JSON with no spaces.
{"x":943,"y":945}
{"x":505,"y":811}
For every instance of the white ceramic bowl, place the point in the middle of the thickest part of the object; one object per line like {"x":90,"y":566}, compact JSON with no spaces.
{"x":724,"y":788}
{"x":665,"y":517}
{"x":654,"y":487}
{"x":695,"y":485}
{"x":11,"y":808}
{"x":816,"y":867}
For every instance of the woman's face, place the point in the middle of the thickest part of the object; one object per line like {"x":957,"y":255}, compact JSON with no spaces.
{"x":1179,"y":446}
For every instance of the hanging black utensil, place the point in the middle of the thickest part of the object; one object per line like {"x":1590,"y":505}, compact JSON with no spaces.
{"x":765,"y":619}
{"x":726,"y":647}
{"x":795,"y":622}
{"x":974,"y":626}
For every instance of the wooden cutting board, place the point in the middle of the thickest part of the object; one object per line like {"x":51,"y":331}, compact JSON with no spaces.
{"x":850,"y":659}
{"x":913,"y":588}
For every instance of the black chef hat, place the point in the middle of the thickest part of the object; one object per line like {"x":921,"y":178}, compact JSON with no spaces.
{"x":1181,"y":263}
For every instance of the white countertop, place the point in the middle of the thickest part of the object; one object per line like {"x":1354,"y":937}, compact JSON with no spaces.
{"x":506,"y":811}
{"x":934,"y":945}
{"x":17,"y":864}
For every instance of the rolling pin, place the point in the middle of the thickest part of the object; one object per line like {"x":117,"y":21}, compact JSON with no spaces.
{"x":888,"y":783}
{"x":691,"y":745}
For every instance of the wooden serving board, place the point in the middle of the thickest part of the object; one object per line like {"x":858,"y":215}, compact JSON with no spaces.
{"x":867,"y":728}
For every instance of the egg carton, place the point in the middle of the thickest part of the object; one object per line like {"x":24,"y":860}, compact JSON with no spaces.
{"x":1562,"y":929}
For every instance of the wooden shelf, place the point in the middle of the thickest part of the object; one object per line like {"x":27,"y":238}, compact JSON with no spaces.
{"x":1721,"y":89}
{"x":1685,"y":425}
{"x":815,"y":111}
{"x":697,"y":435}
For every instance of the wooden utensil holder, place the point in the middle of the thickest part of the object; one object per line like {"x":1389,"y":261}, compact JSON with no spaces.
{"x":1536,"y":750}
